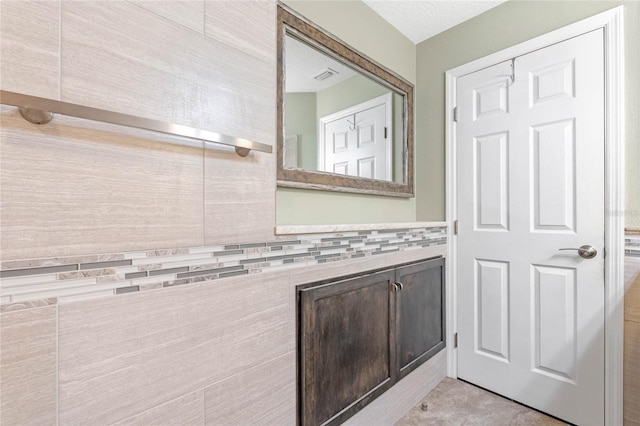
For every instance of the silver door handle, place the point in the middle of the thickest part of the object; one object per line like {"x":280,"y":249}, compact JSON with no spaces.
{"x":586,"y":251}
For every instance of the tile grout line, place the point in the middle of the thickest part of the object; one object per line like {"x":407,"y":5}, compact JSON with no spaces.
{"x":60,"y":50}
{"x":163,"y":17}
{"x":204,"y":406}
{"x":204,"y":193}
{"x":204,"y":388}
{"x":57,"y":364}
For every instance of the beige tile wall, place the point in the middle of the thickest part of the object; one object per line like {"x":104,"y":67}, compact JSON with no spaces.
{"x":186,"y":410}
{"x":265,"y":394}
{"x":220,"y":352}
{"x":68,"y":190}
{"x":239,"y":197}
{"x":126,"y":354}
{"x":632,"y":373}
{"x":30,"y":46}
{"x":74,"y":187}
{"x":632,"y":289}
{"x":234,"y":338}
{"x":254,"y":37}
{"x":632,"y":342}
{"x":188,"y":13}
{"x":151,"y":66}
{"x":28,"y":366}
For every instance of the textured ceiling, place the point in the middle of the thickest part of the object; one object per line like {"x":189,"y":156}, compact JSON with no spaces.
{"x":420,"y":19}
{"x":303,"y":63}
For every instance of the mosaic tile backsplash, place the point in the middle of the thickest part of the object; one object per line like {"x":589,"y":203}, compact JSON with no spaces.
{"x":46,"y":281}
{"x":632,"y":245}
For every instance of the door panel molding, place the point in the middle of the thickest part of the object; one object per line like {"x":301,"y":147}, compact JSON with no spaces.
{"x":492,"y":318}
{"x":611,"y":22}
{"x":362,"y":139}
{"x":556,"y":288}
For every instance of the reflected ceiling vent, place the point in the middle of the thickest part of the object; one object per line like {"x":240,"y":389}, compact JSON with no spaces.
{"x":327,"y":73}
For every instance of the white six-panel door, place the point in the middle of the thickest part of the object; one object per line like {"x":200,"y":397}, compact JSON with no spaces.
{"x":530,"y":146}
{"x":357,"y":141}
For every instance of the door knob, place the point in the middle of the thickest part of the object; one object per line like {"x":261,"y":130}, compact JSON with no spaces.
{"x":586,"y":251}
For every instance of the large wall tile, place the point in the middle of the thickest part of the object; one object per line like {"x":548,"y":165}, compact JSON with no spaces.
{"x":239,"y":197}
{"x":632,"y":289}
{"x":120,"y":356}
{"x":263,"y":395}
{"x":189,"y":13}
{"x":118,"y":56}
{"x":248,"y":25}
{"x":632,"y":342}
{"x":28,"y":367}
{"x":631,"y":373}
{"x":186,"y":410}
{"x":30,"y":46}
{"x":69,"y":190}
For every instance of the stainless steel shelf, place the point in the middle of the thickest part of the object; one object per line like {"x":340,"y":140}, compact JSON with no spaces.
{"x":38,"y":110}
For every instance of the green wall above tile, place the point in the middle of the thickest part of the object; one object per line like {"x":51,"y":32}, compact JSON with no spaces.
{"x":363,"y":29}
{"x":506,"y":25}
{"x":425,"y":65}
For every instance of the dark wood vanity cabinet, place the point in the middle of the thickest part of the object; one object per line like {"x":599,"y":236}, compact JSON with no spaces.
{"x":419,"y":314}
{"x":360,"y":335}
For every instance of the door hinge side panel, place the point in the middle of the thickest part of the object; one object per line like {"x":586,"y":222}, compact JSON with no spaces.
{"x":455,"y":340}
{"x":455,"y":114}
{"x":455,"y":227}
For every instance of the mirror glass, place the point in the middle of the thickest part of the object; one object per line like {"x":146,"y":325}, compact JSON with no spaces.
{"x":339,"y":120}
{"x":345,"y":123}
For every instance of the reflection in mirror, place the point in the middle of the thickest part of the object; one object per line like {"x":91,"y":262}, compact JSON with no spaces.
{"x":345,"y":123}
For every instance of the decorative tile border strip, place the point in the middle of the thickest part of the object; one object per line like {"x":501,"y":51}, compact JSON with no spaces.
{"x":632,"y":245}
{"x":24,"y":282}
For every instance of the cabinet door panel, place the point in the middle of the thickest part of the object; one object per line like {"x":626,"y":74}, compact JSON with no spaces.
{"x":345,"y":354}
{"x":420,"y":313}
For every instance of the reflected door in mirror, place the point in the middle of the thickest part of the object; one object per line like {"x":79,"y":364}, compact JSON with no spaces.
{"x":356,"y":141}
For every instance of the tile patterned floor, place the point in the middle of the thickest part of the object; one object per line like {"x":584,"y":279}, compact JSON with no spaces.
{"x":454,"y":402}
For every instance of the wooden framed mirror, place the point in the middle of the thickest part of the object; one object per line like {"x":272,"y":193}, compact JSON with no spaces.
{"x":345,"y":123}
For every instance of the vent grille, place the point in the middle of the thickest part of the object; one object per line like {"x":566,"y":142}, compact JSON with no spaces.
{"x":325,"y":74}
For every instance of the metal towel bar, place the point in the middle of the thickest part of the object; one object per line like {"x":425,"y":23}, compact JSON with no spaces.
{"x":38,"y":110}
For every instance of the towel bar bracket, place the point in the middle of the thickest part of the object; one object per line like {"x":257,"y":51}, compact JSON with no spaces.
{"x":35,"y":116}
{"x":242,"y":152}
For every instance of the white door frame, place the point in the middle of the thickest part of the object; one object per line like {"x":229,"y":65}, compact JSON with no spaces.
{"x":612,"y":23}
{"x":385,"y":100}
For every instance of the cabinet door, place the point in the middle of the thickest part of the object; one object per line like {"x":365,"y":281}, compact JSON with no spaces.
{"x":345,"y":347}
{"x":420,"y":313}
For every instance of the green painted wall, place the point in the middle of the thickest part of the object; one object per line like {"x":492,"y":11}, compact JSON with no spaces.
{"x":348,"y":93}
{"x":359,"y":26}
{"x":508,"y":24}
{"x":358,"y":89}
{"x":301,"y":120}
